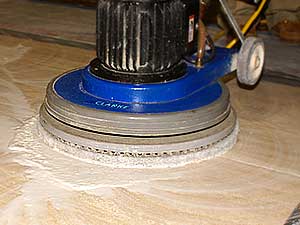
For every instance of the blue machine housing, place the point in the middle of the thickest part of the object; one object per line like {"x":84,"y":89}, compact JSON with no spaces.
{"x":198,"y":88}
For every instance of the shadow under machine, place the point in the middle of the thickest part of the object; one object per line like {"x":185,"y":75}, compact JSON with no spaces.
{"x":153,"y":96}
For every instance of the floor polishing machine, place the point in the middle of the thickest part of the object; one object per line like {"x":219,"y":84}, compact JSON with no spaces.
{"x":153,"y":96}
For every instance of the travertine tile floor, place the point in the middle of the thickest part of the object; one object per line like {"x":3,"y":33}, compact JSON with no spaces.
{"x":257,"y":182}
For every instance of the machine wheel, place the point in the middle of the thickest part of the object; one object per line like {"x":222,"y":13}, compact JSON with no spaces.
{"x":250,"y":61}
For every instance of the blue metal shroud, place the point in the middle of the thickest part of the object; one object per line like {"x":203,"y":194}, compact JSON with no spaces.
{"x":196,"y":89}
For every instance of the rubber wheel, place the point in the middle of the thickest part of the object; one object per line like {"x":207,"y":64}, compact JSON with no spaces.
{"x":250,"y":61}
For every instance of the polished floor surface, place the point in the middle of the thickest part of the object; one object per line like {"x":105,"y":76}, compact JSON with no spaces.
{"x":257,"y":182}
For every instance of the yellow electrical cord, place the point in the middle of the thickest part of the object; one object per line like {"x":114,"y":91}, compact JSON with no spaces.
{"x":218,"y":35}
{"x":249,"y":23}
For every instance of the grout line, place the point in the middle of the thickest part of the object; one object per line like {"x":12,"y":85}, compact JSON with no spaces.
{"x":262,"y":167}
{"x":44,"y":38}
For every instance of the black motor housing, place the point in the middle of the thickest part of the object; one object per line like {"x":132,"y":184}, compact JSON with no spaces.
{"x":144,"y":41}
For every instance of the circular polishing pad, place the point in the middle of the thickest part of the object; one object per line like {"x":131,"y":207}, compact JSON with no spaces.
{"x":136,"y":152}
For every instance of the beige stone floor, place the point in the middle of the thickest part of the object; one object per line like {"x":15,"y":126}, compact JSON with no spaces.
{"x":50,"y":22}
{"x":257,"y":182}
